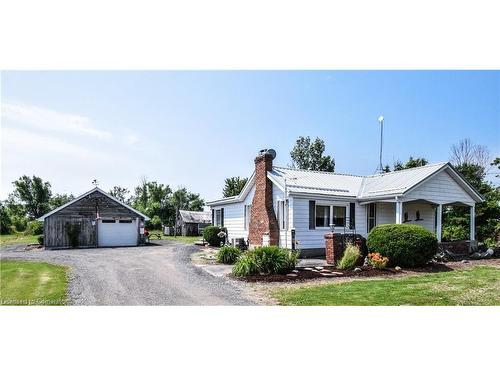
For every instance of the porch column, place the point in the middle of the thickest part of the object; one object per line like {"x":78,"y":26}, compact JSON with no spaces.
{"x":439,"y":222}
{"x":399,"y":212}
{"x":473,"y":222}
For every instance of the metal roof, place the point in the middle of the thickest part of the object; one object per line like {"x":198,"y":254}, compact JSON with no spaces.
{"x":397,"y":182}
{"x":195,"y":216}
{"x":313,"y":182}
{"x":391,"y":184}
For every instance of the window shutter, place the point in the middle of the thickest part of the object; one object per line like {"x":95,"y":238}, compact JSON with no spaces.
{"x":222,"y":217}
{"x":312,"y":214}
{"x":352,"y":215}
{"x":213,"y":217}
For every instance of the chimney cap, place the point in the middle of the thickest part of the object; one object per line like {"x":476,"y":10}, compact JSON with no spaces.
{"x":268,"y":151}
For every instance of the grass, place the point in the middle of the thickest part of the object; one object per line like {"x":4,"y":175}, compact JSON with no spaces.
{"x":32,"y":283}
{"x":188,"y":240}
{"x":17,"y":239}
{"x":478,"y":286}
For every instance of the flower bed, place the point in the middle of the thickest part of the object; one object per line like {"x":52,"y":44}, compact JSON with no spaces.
{"x":308,"y":273}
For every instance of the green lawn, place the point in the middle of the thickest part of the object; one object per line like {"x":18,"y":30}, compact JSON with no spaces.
{"x":189,"y":240}
{"x":18,"y":238}
{"x":32,"y":283}
{"x":470,"y":287}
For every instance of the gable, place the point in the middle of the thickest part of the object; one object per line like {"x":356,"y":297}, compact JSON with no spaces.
{"x":85,"y":205}
{"x":441,"y":188}
{"x":94,"y":202}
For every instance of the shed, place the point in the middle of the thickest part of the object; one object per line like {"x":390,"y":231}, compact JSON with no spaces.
{"x":191,"y":223}
{"x":94,"y":219}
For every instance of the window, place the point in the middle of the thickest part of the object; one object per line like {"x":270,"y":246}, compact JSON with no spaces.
{"x":248,"y":213}
{"x":372,"y":211}
{"x":339,"y":214}
{"x":281,"y":215}
{"x":218,"y":218}
{"x":108,"y":221}
{"x":322,"y":216}
{"x":125,"y":221}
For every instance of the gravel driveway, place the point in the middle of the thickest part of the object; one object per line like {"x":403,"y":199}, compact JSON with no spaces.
{"x":149,"y":275}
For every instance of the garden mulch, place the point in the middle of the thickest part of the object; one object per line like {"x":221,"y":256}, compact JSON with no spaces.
{"x":325,"y":273}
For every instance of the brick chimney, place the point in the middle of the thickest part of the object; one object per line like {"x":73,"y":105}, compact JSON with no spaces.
{"x":262,"y":217}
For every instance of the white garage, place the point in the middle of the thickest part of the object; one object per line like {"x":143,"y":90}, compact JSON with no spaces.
{"x":118,"y":232}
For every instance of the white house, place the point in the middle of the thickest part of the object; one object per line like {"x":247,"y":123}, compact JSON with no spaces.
{"x":277,"y":201}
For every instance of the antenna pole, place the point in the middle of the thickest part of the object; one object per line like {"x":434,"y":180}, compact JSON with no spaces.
{"x":381,"y":121}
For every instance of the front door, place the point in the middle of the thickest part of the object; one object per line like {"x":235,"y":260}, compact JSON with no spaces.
{"x":371,"y":214}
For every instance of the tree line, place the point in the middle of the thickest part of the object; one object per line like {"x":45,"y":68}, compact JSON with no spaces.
{"x":32,"y":197}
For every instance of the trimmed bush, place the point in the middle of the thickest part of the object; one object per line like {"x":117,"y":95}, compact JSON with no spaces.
{"x":228,"y":254}
{"x":210,"y":234}
{"x":34,"y":227}
{"x":266,"y":260}
{"x":405,"y":245}
{"x":349,"y":258}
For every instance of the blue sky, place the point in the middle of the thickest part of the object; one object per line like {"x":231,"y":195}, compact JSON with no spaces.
{"x":194,"y":129}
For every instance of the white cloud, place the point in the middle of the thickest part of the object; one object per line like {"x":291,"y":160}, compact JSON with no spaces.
{"x":48,"y":119}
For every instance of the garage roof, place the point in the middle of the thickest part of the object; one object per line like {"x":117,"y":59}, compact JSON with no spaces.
{"x":42,"y":218}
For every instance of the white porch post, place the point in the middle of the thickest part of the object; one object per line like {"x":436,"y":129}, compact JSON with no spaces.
{"x":399,"y":212}
{"x":439,"y":222}
{"x":473,"y":222}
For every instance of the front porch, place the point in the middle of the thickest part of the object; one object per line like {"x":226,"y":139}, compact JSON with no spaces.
{"x":426,"y":213}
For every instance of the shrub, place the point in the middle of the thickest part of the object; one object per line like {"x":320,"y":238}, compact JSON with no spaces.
{"x":228,"y":254}
{"x":405,"y":245}
{"x":265,"y":260}
{"x":40,"y":240}
{"x":34,"y":227}
{"x":210,"y":234}
{"x":73,"y":231}
{"x":349,"y":258}
{"x":378,"y":261}
{"x":246,"y":265}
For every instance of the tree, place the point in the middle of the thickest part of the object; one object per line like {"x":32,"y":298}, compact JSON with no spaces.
{"x":468,"y":159}
{"x":233,"y":186}
{"x":5,"y":221}
{"x":466,"y":152}
{"x":182,"y":199}
{"x":496,"y":163}
{"x":60,"y":199}
{"x":411,"y":163}
{"x":119,"y":193}
{"x":153,"y":199}
{"x":34,"y":194}
{"x":309,"y":155}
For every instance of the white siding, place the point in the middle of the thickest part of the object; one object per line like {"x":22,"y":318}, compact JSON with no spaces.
{"x":427,"y":214}
{"x":386,"y":214}
{"x":234,"y":217}
{"x":314,"y":238}
{"x":360,"y":220}
{"x":440,"y":188}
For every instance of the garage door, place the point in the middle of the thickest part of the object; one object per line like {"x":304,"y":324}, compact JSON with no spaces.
{"x":117,"y":232}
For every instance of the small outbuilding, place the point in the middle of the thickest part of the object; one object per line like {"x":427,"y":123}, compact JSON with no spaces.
{"x":94,"y":219}
{"x":191,"y":223}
